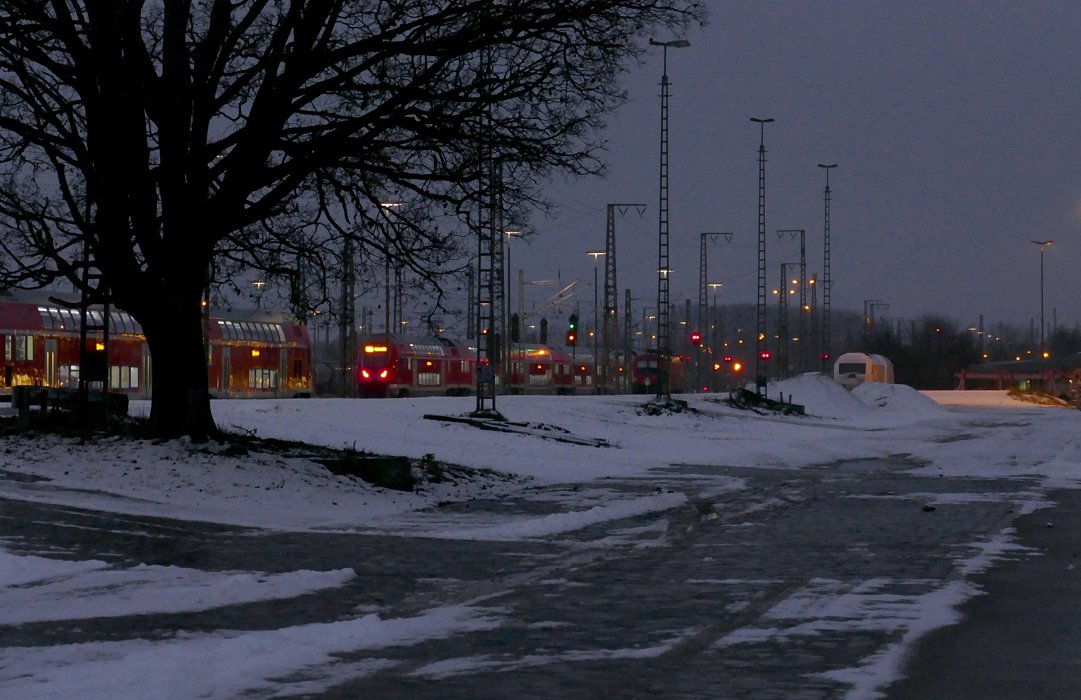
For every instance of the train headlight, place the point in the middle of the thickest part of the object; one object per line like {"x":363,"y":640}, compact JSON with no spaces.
{"x":383,"y":374}
{"x":366,"y":374}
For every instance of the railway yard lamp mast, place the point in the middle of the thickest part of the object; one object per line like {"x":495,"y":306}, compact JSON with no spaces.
{"x":1042,"y":244}
{"x":760,"y":307}
{"x":826,"y":279}
{"x":664,"y":349}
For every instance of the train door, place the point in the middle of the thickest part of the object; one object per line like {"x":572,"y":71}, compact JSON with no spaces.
{"x":226,"y":370}
{"x":50,"y":362}
{"x":148,"y":377}
{"x":283,"y":372}
{"x":7,"y":360}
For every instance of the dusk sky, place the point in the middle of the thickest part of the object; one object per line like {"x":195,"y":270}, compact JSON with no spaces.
{"x":956,"y":127}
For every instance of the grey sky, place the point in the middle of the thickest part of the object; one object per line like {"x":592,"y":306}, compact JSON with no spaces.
{"x":955,"y":126}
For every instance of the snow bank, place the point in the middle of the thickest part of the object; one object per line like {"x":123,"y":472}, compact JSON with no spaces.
{"x":897,"y":398}
{"x":819,"y":395}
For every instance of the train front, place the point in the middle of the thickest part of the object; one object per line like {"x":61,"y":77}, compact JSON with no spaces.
{"x":375,"y":368}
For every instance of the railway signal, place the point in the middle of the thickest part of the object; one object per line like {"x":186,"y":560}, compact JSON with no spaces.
{"x":515,"y":328}
{"x":696,"y":338}
{"x":572,"y":330}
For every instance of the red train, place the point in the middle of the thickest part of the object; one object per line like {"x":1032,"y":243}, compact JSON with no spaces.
{"x":251,"y":356}
{"x":396,"y":366}
{"x":645,"y":373}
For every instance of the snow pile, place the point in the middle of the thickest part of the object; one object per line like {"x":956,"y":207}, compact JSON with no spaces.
{"x":819,"y":395}
{"x":897,"y":398}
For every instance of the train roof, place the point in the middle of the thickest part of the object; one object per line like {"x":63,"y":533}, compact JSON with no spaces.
{"x":67,"y":299}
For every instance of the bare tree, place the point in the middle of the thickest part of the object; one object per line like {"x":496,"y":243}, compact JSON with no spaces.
{"x":170,"y":137}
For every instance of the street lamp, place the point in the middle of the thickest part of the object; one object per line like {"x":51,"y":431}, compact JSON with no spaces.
{"x":510,"y":232}
{"x":827,"y":281}
{"x":1042,"y":244}
{"x":387,"y":207}
{"x":760,"y":306}
{"x":716,"y":331}
{"x":595,"y":254}
{"x":664,"y":385}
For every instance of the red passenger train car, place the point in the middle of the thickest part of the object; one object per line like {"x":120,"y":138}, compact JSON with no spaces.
{"x":398,"y":365}
{"x":646,"y":373}
{"x":544,"y":369}
{"x":258,"y":355}
{"x":263,"y":356}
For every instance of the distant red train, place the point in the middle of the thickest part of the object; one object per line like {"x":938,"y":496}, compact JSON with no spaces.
{"x":251,"y":355}
{"x":398,"y":365}
{"x":646,"y":373}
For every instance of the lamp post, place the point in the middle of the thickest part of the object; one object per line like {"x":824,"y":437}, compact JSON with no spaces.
{"x":596,"y":302}
{"x":664,"y":384}
{"x":716,"y":331}
{"x":826,"y":279}
{"x":387,"y":208}
{"x":760,"y":306}
{"x":510,"y":233}
{"x":1042,"y":244}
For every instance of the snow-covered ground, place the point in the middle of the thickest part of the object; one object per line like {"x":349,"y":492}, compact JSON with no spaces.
{"x":1002,"y":437}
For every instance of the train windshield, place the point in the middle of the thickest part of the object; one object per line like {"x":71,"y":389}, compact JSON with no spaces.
{"x":851,"y":368}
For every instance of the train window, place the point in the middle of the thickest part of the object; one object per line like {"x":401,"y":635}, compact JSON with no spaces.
{"x":24,"y":347}
{"x":123,"y":377}
{"x":260,"y":378}
{"x":280,"y":332}
{"x":65,"y":322}
{"x":298,"y":369}
{"x":119,"y":322}
{"x":69,"y":375}
{"x":8,"y":347}
{"x":46,"y":319}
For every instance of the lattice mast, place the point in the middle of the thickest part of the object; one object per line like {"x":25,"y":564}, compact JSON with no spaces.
{"x":611,"y":296}
{"x":827,"y":281}
{"x":760,"y":306}
{"x":664,"y":348}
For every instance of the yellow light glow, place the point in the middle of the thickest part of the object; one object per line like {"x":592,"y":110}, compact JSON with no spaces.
{"x":375,"y":348}
{"x":737,"y":366}
{"x":99,"y":346}
{"x":255,"y":353}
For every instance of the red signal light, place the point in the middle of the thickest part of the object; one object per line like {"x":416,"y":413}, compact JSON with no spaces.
{"x":825,"y":356}
{"x":696,"y":338}
{"x":765,"y":355}
{"x":727,"y":358}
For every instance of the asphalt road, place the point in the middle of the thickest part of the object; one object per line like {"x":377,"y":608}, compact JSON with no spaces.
{"x":770,"y":591}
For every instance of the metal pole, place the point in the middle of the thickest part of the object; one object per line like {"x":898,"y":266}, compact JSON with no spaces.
{"x":760,"y":306}
{"x":1042,"y":244}
{"x":664,"y":384}
{"x":826,"y":279}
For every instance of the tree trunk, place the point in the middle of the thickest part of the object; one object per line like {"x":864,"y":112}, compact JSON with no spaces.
{"x":180,"y":404}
